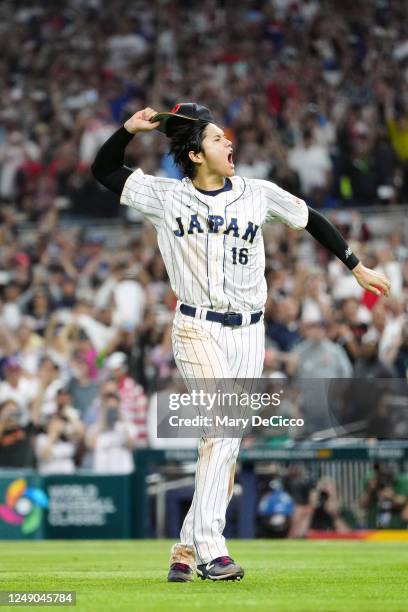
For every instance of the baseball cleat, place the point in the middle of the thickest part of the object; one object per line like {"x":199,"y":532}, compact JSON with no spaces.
{"x":221,"y":568}
{"x":180,"y":572}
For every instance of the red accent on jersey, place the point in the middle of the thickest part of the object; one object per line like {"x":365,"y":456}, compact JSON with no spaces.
{"x":175,"y":109}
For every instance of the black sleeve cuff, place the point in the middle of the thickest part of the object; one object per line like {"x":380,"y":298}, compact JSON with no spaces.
{"x":352,"y":261}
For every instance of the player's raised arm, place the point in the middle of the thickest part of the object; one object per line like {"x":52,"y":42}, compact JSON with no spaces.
{"x":108,"y":167}
{"x":328,"y":235}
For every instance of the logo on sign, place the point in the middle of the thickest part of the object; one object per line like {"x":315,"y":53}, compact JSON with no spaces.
{"x":24,"y":506}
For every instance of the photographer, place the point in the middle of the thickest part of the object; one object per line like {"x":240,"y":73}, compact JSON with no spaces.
{"x":317,"y":507}
{"x":112,"y":439}
{"x":384,"y":499}
{"x":325,"y":505}
{"x":16,"y":437}
{"x":56,"y":449}
{"x":275,"y":511}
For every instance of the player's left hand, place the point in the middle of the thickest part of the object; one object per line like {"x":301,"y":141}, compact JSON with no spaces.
{"x":371,"y":280}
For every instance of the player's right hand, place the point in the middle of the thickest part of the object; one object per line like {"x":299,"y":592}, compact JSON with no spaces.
{"x":140,"y":121}
{"x":373,"y":281}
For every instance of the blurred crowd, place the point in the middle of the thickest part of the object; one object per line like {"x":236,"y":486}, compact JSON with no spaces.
{"x":314,"y":96}
{"x":85,"y":332}
{"x":84,"y":339}
{"x":313,"y":93}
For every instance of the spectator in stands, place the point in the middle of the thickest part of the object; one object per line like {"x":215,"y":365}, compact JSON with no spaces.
{"x":108,"y":387}
{"x":133,"y":401}
{"x":11,"y":311}
{"x":129,"y":300}
{"x":40,"y":309}
{"x":283,"y":330}
{"x":312,"y":163}
{"x":29,"y":345}
{"x":112,"y":439}
{"x":161,"y":356}
{"x":274,"y":364}
{"x":315,"y":298}
{"x":358,"y":170}
{"x":319,"y":357}
{"x":82,"y":386}
{"x":64,"y":406}
{"x":68,"y":297}
{"x":55,"y":449}
{"x":125,"y":341}
{"x":18,"y":387}
{"x":16,"y":437}
{"x":349,"y":327}
{"x":368,"y":365}
{"x":50,"y":382}
{"x":152,"y":335}
{"x":387,"y":324}
{"x":59,"y":339}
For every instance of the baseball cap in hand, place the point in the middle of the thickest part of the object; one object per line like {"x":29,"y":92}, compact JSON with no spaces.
{"x":188,"y":112}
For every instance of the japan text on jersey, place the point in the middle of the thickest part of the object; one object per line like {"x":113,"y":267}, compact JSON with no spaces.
{"x":212,"y":246}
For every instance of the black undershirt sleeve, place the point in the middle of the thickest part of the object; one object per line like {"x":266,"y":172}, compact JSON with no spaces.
{"x":324,"y":232}
{"x":108,"y":167}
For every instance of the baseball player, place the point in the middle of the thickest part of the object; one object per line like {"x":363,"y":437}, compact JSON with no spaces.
{"x":209,"y":229}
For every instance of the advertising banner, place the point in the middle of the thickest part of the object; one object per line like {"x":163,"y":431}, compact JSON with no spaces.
{"x":64,"y":506}
{"x":87,"y":506}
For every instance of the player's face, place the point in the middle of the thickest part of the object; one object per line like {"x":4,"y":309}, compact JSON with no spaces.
{"x":217,"y":152}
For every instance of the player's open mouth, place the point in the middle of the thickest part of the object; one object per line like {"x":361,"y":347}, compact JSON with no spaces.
{"x":230,"y":160}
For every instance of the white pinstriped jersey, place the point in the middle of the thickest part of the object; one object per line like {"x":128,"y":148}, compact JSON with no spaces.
{"x":212,"y":246}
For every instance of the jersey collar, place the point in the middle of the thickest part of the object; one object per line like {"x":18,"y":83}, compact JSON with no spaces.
{"x":225,"y":197}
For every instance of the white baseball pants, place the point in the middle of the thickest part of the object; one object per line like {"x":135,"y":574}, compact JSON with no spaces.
{"x":208,"y":350}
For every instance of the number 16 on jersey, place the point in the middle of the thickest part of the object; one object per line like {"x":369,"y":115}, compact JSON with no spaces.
{"x":239,"y":256}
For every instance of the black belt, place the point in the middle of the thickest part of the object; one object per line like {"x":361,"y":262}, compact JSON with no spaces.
{"x":225,"y":318}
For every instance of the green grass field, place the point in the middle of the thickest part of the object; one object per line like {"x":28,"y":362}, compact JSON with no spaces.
{"x":280,"y":575}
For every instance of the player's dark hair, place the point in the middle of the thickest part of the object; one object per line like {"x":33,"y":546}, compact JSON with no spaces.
{"x":184,"y":137}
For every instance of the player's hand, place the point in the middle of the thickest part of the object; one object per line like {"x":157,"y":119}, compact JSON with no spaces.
{"x":373,"y":281}
{"x":140,"y":121}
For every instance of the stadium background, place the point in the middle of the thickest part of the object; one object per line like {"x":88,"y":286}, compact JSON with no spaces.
{"x":315,"y":97}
